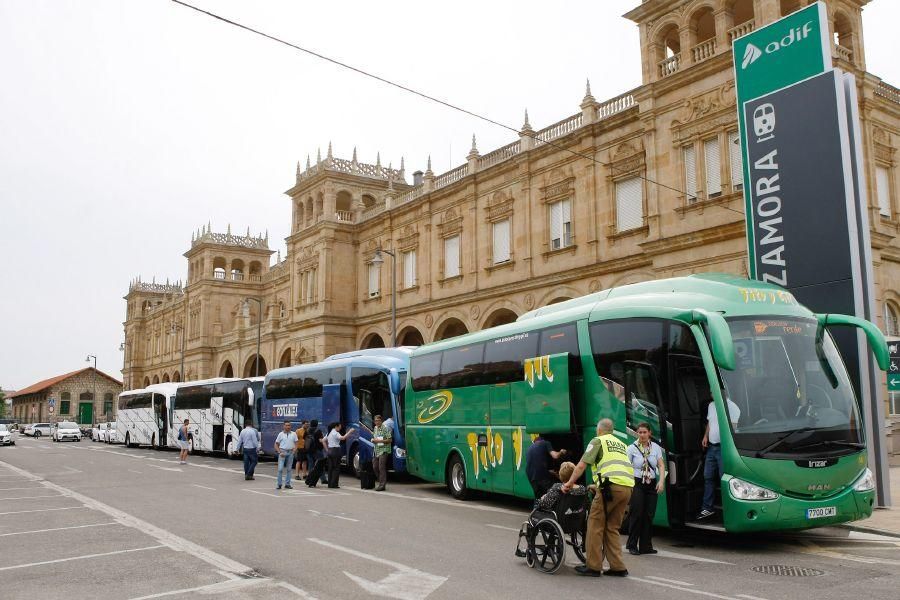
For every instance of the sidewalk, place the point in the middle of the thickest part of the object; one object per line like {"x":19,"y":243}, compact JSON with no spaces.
{"x":884,"y":520}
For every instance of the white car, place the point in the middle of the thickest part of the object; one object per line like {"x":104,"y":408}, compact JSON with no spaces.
{"x":110,"y":437}
{"x":98,"y":433}
{"x":66,"y":430}
{"x":7,"y":436}
{"x":38,"y":429}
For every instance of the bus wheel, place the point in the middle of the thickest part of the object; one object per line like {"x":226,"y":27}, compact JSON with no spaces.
{"x":229,"y":448}
{"x":127,"y":440}
{"x":190,"y":444}
{"x":355,"y":463}
{"x":456,"y":478}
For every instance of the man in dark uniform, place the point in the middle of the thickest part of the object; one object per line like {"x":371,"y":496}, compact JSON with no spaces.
{"x":538,"y":459}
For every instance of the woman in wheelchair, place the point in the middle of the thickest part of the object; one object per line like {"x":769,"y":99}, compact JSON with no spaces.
{"x":558,"y":520}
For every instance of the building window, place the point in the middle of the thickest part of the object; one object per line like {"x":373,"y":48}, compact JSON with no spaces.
{"x":64,"y":407}
{"x":281,"y":311}
{"x":374,"y":289}
{"x":737,"y":160}
{"x":713,"y":157}
{"x":690,"y":173}
{"x":409,"y":269}
{"x":629,"y":204}
{"x":451,"y":257}
{"x":501,"y":241}
{"x":561,"y":224}
{"x":883,"y":190}
{"x":891,"y":327}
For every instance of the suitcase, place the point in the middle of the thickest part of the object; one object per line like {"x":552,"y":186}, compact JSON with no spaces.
{"x":367,"y":476}
{"x":315,"y":474}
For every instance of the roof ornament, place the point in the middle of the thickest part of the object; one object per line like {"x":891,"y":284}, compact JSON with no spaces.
{"x":473,"y":153}
{"x":428,"y":170}
{"x":330,"y":155}
{"x":307,"y":161}
{"x":526,"y":127}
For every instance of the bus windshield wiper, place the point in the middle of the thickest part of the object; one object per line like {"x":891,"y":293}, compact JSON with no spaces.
{"x":767,"y":449}
{"x":841,"y":443}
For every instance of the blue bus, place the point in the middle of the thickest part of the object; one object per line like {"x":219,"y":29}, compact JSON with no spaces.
{"x":349,"y":388}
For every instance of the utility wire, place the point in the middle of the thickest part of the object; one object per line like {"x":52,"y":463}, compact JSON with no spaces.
{"x":445,"y":103}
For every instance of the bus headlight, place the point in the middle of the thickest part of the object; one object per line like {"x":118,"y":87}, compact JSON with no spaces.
{"x":743,"y":490}
{"x":400,"y":452}
{"x":865,"y":483}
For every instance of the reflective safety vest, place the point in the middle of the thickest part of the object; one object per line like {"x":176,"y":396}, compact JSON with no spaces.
{"x":614,"y":464}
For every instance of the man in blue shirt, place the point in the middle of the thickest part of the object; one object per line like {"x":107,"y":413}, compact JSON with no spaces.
{"x":285,"y":444}
{"x":249,"y":441}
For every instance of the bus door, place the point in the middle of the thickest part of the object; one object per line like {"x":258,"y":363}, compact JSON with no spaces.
{"x":371,"y":396}
{"x":215,"y":421}
{"x":499,"y":440}
{"x":162,"y":417}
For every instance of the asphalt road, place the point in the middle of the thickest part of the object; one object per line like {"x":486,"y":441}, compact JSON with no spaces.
{"x":86,"y":519}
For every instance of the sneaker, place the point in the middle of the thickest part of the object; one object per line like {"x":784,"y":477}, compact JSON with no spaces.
{"x":288,"y":487}
{"x":705,"y":514}
{"x":297,"y":478}
{"x":616,"y":572}
{"x":588,"y":572}
{"x":277,"y":487}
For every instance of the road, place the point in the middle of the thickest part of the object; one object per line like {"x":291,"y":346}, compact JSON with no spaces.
{"x":88,"y":519}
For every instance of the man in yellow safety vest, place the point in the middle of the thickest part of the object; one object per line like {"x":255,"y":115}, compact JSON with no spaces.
{"x":607,"y":455}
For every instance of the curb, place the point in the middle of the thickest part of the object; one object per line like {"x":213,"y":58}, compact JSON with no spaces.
{"x":874,"y":530}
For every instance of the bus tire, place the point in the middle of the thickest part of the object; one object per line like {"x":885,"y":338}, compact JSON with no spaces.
{"x":127,"y":440}
{"x":456,"y":478}
{"x":355,"y":464}
{"x":190,"y":444}
{"x":229,"y":448}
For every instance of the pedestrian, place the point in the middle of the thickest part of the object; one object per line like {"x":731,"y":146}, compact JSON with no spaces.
{"x":551,"y":497}
{"x":300,"y":451}
{"x":381,"y":437}
{"x":315,"y":449}
{"x":333,"y":441}
{"x":646,"y":459}
{"x":183,"y":436}
{"x":538,"y":459}
{"x":284,"y":448}
{"x":608,"y":458}
{"x":712,"y":466}
{"x":249,"y":440}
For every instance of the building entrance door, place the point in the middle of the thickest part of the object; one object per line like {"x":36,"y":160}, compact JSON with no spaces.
{"x":86,"y":413}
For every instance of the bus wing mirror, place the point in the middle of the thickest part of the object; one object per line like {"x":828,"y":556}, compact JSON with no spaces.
{"x":719,"y":337}
{"x":873,"y":335}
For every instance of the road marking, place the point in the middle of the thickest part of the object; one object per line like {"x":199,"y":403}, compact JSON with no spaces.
{"x":212,"y":588}
{"x":455,"y":503}
{"x":284,"y":494}
{"x":18,"y":488}
{"x":82,"y":557}
{"x":20,"y":512}
{"x":175,"y":469}
{"x":681,"y":588}
{"x":321,"y":514}
{"x":749,"y":597}
{"x":811,"y":548}
{"x":405,"y":582}
{"x":58,"y":529}
{"x":675,"y":581}
{"x":502,"y":527}
{"x":133,"y":471}
{"x":203,"y":486}
{"x":32,"y":497}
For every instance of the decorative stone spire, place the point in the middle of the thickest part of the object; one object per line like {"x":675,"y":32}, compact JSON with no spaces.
{"x":402,"y":169}
{"x":209,"y":227}
{"x":229,"y":229}
{"x":330,"y":155}
{"x":378,"y":159}
{"x":299,"y":173}
{"x":318,"y":156}
{"x":248,"y":231}
{"x":526,"y":127}
{"x":588,"y":105}
{"x":267,"y":237}
{"x":428,"y":170}
{"x":526,"y":136}
{"x":473,"y":152}
{"x":390,"y":178}
{"x":354,"y":155}
{"x":307,"y":162}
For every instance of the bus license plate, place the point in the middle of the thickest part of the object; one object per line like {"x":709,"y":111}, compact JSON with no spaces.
{"x":817,"y":513}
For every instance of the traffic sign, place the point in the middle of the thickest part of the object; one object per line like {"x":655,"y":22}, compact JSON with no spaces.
{"x":51,"y":402}
{"x":893,"y":378}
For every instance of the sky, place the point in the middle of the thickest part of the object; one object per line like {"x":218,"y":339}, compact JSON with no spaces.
{"x":127,"y":125}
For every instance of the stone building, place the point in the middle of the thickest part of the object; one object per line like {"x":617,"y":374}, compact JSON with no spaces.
{"x":84,"y":396}
{"x":641,"y":186}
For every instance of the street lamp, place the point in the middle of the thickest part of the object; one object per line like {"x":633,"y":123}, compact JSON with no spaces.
{"x":258,"y":326}
{"x":124,"y":356}
{"x":378,"y":260}
{"x":176,"y":327}
{"x":94,"y":397}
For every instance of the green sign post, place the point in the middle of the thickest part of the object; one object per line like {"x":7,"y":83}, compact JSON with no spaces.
{"x":780,"y":54}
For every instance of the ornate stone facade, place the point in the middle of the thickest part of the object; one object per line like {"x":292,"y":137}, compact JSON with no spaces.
{"x":633,"y":188}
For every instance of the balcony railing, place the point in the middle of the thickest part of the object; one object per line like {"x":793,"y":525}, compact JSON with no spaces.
{"x":888,"y":92}
{"x":669,"y":65}
{"x":843,"y":53}
{"x":703,"y":50}
{"x":741,"y":30}
{"x":344,"y":216}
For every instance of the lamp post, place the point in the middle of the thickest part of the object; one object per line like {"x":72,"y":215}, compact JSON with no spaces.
{"x":176,"y":327}
{"x":94,"y":397}
{"x":124,"y":356}
{"x":378,"y":260}
{"x":258,"y":330}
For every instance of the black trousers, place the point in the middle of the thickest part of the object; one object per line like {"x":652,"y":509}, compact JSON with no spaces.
{"x":641,"y":511}
{"x":334,"y":467}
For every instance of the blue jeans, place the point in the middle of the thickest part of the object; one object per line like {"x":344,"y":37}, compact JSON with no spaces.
{"x":285,"y":464}
{"x":251,"y":458}
{"x":712,"y":474}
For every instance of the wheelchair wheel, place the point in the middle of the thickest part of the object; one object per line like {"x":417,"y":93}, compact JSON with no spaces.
{"x":576,"y":539}
{"x":548,"y":546}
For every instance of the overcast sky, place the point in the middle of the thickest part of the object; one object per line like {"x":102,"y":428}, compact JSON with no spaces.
{"x":126,"y":125}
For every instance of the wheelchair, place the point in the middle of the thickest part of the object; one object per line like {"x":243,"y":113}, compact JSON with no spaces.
{"x":547,"y":533}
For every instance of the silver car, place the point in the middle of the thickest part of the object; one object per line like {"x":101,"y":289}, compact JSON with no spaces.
{"x":66,"y":430}
{"x":38,"y":429}
{"x":7,"y":436}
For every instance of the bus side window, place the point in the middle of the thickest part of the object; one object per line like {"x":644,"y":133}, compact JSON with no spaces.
{"x":563,"y":338}
{"x":426,"y":371}
{"x":504,"y":358}
{"x":462,"y":367}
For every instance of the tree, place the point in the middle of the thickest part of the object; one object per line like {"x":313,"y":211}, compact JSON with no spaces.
{"x":2,"y":404}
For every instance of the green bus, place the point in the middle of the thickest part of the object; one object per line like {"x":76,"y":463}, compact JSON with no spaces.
{"x":792,"y":439}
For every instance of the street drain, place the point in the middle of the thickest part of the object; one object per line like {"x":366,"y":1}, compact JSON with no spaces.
{"x":786,"y":571}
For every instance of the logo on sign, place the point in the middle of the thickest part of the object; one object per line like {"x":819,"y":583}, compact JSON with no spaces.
{"x":436,"y":405}
{"x":284,"y":410}
{"x":818,"y":464}
{"x":752,"y":53}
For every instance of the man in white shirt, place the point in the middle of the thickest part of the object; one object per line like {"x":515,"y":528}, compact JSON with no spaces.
{"x":285,"y":444}
{"x":712,"y":442}
{"x":333,"y":442}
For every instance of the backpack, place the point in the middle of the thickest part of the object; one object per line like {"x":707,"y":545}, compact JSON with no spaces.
{"x":309,"y":440}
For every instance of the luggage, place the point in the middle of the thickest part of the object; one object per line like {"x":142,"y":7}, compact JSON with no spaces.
{"x":315,"y":474}
{"x":367,"y":476}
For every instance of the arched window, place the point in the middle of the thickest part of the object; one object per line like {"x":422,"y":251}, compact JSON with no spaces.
{"x":891,"y":326}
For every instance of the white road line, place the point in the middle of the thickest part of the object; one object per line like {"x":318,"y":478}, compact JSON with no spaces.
{"x":285,"y":494}
{"x":691,"y":557}
{"x":82,"y":557}
{"x":749,"y":597}
{"x":681,"y":588}
{"x":321,"y":514}
{"x":133,"y":471}
{"x":18,"y":488}
{"x":220,"y":587}
{"x":203,"y":486}
{"x":20,"y":512}
{"x":32,"y":497}
{"x":58,"y":529}
{"x":456,"y":503}
{"x":675,"y":581}
{"x":502,"y":527}
{"x":378,"y":559}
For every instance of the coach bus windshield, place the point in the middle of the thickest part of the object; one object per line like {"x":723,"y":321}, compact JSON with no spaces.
{"x":789,"y":393}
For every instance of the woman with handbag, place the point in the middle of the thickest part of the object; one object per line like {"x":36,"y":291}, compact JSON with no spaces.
{"x":646,"y":458}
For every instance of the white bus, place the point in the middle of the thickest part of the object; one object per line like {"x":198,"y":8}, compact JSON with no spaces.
{"x":142,"y":418}
{"x":216,"y":409}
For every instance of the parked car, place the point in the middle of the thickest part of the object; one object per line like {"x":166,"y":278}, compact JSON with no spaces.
{"x":38,"y":429}
{"x":98,"y":433}
{"x":66,"y":430}
{"x":7,"y":435}
{"x":111,"y":437}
